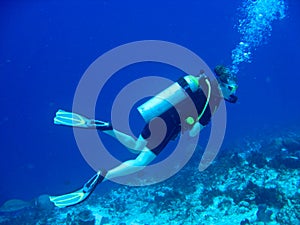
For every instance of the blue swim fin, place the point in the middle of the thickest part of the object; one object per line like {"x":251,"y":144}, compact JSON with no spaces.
{"x":70,"y":119}
{"x":79,"y":195}
{"x":75,"y":120}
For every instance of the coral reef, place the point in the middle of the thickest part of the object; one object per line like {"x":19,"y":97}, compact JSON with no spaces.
{"x":255,"y":183}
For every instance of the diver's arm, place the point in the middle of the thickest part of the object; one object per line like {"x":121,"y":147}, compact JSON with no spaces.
{"x":197,"y":127}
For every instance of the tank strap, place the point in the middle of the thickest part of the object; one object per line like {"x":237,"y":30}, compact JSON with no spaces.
{"x":204,"y":80}
{"x":185,"y":86}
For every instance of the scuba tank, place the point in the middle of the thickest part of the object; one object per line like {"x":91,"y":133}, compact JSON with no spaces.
{"x":168,"y":98}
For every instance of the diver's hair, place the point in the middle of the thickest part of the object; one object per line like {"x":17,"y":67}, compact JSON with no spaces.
{"x":224,"y":74}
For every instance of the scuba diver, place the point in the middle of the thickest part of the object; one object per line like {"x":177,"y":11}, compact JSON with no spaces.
{"x":170,"y":105}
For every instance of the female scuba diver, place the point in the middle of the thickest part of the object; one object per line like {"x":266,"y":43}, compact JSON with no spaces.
{"x":171,"y":105}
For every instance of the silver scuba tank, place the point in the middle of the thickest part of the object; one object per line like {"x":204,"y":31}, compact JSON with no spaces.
{"x":169,"y":97}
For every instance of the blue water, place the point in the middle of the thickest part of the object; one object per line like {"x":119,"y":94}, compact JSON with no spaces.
{"x":45,"y":47}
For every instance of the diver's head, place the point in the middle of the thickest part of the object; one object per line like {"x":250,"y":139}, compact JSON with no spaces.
{"x":227,"y":82}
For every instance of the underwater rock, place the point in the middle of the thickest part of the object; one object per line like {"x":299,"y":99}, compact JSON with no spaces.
{"x":258,"y":159}
{"x":263,"y":213}
{"x":69,"y":219}
{"x":291,"y":144}
{"x":85,"y":217}
{"x":167,"y":197}
{"x":285,"y":161}
{"x":208,"y":196}
{"x":14,"y":205}
{"x":105,"y":220}
{"x":244,"y":204}
{"x":43,"y":203}
{"x":236,"y":159}
{"x":288,"y":216}
{"x":268,"y":196}
{"x":245,"y":222}
{"x":291,"y":162}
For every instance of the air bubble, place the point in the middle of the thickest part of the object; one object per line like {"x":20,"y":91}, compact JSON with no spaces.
{"x":255,"y":27}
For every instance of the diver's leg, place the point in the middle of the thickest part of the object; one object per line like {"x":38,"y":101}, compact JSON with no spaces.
{"x":135,"y":146}
{"x":132,"y":166}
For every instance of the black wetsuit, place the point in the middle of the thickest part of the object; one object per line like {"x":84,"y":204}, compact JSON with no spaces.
{"x":162,"y":134}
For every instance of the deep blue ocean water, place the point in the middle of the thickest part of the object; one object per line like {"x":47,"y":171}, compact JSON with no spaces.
{"x":45,"y":47}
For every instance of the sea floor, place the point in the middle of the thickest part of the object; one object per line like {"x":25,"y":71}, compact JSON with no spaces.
{"x":257,"y":182}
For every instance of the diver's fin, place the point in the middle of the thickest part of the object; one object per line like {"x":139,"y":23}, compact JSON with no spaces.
{"x":79,"y":195}
{"x":75,"y":120}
